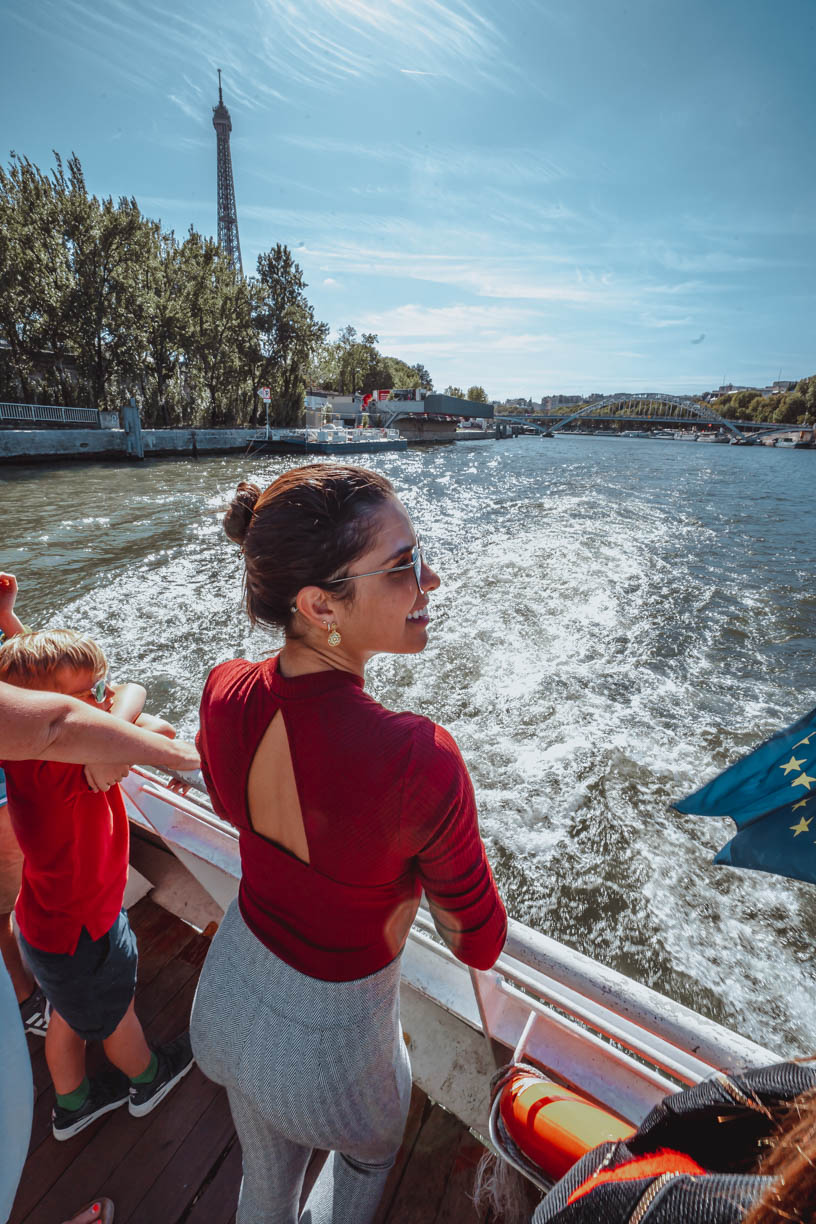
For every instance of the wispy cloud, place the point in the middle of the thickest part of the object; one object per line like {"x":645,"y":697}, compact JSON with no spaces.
{"x":719,"y":260}
{"x":446,"y":322}
{"x":523,"y":276}
{"x":650,"y":320}
{"x":324,"y":42}
{"x":507,"y":166}
{"x":188,"y":108}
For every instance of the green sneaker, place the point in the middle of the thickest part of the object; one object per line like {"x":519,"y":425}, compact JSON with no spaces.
{"x":175,"y":1060}
{"x":108,"y":1092}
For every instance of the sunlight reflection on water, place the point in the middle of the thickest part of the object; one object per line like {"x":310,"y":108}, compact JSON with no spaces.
{"x":617,"y":620}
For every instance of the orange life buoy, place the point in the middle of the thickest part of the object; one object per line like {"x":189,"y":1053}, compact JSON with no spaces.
{"x":554,"y":1126}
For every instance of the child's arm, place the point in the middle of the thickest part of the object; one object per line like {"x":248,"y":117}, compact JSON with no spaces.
{"x":127,"y":704}
{"x":151,"y":722}
{"x":128,"y":701}
{"x":9,"y":623}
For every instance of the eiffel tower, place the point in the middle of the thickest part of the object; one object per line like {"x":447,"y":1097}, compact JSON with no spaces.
{"x":227,"y":212}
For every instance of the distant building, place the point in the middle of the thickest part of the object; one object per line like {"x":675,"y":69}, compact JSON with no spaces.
{"x":775,"y":388}
{"x":551,"y":403}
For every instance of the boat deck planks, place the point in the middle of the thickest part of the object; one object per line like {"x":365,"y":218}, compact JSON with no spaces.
{"x":182,"y":1163}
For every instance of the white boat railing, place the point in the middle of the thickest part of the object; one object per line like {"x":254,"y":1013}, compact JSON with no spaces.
{"x":612,"y":1038}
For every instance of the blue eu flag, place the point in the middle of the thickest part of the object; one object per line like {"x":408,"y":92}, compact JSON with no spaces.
{"x":770,"y":794}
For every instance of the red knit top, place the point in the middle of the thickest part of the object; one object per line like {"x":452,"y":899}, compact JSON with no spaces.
{"x":75,"y":844}
{"x":388,"y":809}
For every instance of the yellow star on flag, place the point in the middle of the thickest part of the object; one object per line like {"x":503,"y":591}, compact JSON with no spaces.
{"x":804,"y":741}
{"x":802,"y":827}
{"x":792,"y":765}
{"x":803,"y":780}
{"x":802,"y":803}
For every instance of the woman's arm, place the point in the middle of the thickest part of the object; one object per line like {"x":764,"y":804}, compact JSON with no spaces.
{"x":465,"y":904}
{"x":51,"y":727}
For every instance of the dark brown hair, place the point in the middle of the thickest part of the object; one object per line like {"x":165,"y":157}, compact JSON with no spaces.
{"x":792,"y":1165}
{"x":304,"y":529}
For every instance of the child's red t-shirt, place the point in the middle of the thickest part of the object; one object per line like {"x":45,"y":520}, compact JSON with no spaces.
{"x":75,"y":843}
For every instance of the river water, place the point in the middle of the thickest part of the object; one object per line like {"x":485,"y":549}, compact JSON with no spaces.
{"x":619,"y":618}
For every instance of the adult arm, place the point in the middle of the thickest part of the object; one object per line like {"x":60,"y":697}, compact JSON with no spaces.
{"x":51,"y":727}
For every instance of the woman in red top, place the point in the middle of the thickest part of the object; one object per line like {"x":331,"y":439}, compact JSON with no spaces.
{"x":346,"y":812}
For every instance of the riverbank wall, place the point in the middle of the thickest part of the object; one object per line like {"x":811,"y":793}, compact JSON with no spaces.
{"x":51,"y":445}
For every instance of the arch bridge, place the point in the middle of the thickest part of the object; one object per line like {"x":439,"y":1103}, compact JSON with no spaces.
{"x":649,"y":406}
{"x":652,"y":406}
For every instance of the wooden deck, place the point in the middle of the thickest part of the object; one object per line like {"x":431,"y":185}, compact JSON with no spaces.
{"x":182,"y":1163}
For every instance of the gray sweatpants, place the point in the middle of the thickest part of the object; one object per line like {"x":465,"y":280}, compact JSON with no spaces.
{"x":307,"y":1064}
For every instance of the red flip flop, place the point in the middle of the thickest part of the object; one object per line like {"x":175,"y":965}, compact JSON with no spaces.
{"x":102,"y":1207}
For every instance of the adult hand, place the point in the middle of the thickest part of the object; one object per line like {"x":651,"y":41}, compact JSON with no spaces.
{"x":103,"y":777}
{"x":186,"y":758}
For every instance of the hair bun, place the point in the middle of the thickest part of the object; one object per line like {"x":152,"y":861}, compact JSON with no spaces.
{"x":240,"y":512}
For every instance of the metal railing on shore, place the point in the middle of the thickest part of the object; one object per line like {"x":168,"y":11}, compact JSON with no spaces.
{"x":47,"y":413}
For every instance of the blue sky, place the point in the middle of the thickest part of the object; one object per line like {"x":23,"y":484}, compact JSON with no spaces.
{"x":535,"y":195}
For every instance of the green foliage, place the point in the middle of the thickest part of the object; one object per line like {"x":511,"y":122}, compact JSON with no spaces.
{"x":456,"y":392}
{"x":288,"y":333}
{"x":476,"y":395}
{"x":741,"y":399}
{"x":791,"y":408}
{"x":795,"y":407}
{"x":98,"y":304}
{"x":353,"y":363}
{"x":425,"y":380}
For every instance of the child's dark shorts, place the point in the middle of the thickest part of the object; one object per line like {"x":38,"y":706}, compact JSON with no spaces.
{"x":91,"y":989}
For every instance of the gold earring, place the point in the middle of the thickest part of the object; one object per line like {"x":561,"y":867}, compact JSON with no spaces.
{"x":334,"y":638}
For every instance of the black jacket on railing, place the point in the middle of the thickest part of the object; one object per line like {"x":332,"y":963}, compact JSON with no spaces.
{"x":723,"y":1124}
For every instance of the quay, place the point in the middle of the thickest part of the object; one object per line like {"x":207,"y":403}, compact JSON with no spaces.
{"x":39,"y":433}
{"x":328,"y":440}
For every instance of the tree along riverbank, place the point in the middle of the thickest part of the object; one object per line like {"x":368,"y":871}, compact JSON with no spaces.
{"x":98,"y":303}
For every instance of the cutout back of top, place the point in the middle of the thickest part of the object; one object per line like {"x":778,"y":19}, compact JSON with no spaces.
{"x":273,"y":804}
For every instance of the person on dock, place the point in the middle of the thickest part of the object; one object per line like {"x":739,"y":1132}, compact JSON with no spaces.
{"x":346,"y":812}
{"x":72,"y":828}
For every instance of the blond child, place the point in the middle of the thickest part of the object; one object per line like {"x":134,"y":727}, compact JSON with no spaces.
{"x":74,"y":934}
